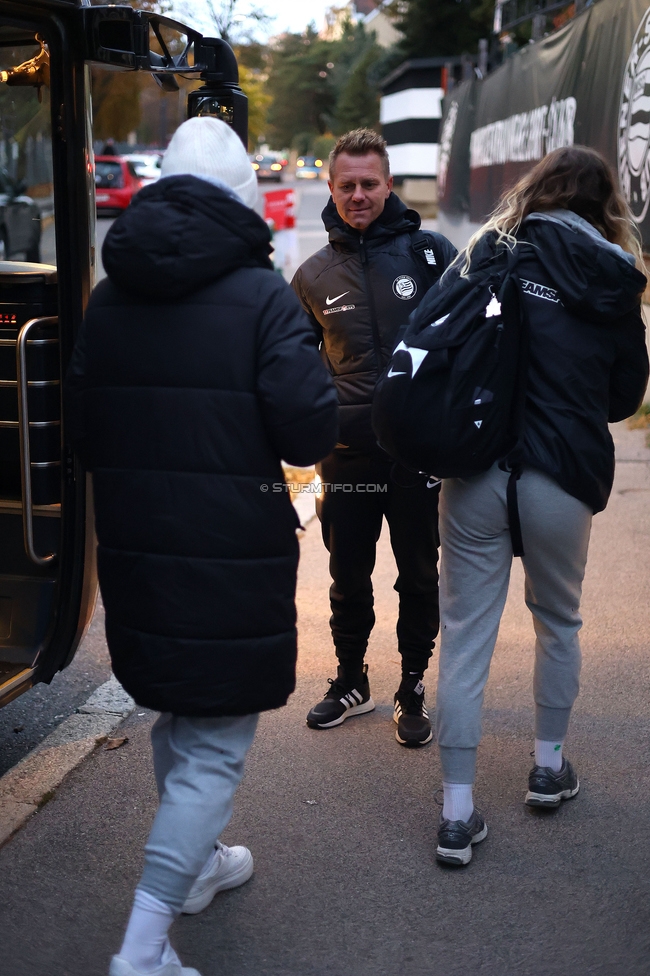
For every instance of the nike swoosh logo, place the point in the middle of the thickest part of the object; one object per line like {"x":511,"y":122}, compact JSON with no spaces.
{"x":330,"y":301}
{"x":393,"y":372}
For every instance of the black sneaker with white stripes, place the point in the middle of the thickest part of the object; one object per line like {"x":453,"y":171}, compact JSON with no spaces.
{"x":345,"y":698}
{"x":410,"y":714}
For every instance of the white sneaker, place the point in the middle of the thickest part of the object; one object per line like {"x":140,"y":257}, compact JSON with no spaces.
{"x":170,"y":967}
{"x":228,"y":867}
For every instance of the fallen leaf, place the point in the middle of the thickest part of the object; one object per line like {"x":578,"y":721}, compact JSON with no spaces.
{"x":117,"y":742}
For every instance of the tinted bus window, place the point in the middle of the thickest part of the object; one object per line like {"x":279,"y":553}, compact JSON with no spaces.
{"x":26,"y":188}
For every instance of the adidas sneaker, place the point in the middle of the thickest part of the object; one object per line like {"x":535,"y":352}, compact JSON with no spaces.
{"x":344,"y":698}
{"x":410,"y":714}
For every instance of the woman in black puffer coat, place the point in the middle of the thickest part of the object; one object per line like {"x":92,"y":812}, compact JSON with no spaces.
{"x":196,"y":371}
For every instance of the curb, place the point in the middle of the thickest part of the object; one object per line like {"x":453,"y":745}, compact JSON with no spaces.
{"x":29,"y":785}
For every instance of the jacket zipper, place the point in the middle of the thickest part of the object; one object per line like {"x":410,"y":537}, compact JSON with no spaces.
{"x":371,"y":305}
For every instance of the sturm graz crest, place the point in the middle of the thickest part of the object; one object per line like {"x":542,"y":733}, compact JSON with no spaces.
{"x":634,"y":124}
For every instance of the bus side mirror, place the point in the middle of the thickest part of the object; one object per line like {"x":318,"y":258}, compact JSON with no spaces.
{"x":117,"y":36}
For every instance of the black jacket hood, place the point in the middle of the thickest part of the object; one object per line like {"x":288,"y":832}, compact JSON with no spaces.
{"x":180,"y":234}
{"x":595,"y":279}
{"x":394,"y":219}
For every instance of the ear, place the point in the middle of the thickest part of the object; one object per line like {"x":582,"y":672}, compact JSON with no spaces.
{"x":331,"y":186}
{"x":389,"y":186}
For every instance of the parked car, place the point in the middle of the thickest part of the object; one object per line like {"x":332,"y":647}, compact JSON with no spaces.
{"x":116,"y":183}
{"x":146,"y":165}
{"x":308,"y":167}
{"x":20,"y":221}
{"x":267,"y":168}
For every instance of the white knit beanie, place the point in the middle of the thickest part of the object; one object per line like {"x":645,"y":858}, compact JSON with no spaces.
{"x":209,"y":148}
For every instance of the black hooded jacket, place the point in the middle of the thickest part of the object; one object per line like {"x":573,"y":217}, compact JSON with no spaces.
{"x":195,"y":372}
{"x":358,"y":291}
{"x":588,"y":357}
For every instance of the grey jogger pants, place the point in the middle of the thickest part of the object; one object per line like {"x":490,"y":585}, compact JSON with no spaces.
{"x":199,"y":763}
{"x":475,"y":571}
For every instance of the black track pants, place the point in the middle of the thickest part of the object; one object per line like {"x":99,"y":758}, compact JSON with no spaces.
{"x":359,"y":490}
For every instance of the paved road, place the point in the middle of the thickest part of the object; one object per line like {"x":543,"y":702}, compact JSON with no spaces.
{"x":342,"y":823}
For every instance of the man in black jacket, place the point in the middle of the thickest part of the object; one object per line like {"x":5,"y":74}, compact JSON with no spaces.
{"x":358,"y":291}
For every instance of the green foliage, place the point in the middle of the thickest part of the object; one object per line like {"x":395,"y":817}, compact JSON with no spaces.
{"x":358,"y":103}
{"x":300,"y":86}
{"x":323,"y":145}
{"x":357,"y":94}
{"x":303,"y":143}
{"x":252,"y":58}
{"x":252,"y":55}
{"x":389,"y":59}
{"x":258,"y":103}
{"x":322,"y":87}
{"x":435,"y":28}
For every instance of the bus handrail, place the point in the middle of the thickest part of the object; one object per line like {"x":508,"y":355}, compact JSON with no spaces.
{"x":25,"y":455}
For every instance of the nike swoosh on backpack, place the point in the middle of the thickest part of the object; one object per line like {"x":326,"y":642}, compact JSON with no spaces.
{"x":395,"y":372}
{"x":330,"y":301}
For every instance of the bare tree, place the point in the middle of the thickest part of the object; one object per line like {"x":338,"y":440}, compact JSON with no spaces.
{"x":232,"y":23}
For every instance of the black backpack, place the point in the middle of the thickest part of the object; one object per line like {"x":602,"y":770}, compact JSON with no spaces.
{"x":451,"y":401}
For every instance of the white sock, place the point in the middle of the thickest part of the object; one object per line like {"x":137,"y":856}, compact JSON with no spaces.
{"x":458,"y":803}
{"x":548,"y":754}
{"x":145,"y":939}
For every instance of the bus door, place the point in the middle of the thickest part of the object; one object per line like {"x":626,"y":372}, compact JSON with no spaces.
{"x":47,"y":581}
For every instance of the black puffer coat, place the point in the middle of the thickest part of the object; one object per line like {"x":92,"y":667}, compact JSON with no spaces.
{"x":358,"y":291}
{"x":196,"y":371}
{"x":588,"y":357}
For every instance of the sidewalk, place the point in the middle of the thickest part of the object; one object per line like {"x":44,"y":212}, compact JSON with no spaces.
{"x":342,"y":823}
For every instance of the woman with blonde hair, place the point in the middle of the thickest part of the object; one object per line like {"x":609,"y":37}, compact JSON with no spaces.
{"x":579,"y":260}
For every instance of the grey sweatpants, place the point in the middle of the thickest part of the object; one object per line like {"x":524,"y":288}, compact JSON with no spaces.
{"x":475,"y":571}
{"x":198,"y":763}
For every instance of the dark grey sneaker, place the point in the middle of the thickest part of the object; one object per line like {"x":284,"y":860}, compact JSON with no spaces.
{"x":456,"y":838}
{"x":344,"y":698}
{"x":547,"y":788}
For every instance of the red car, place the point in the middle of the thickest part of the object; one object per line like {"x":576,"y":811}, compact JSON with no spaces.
{"x":116,"y":183}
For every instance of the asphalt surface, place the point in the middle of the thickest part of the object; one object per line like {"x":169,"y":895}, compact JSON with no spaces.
{"x":26,"y":721}
{"x":342,"y":823}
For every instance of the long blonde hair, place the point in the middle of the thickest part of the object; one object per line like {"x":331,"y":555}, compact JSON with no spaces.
{"x":575,"y":178}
